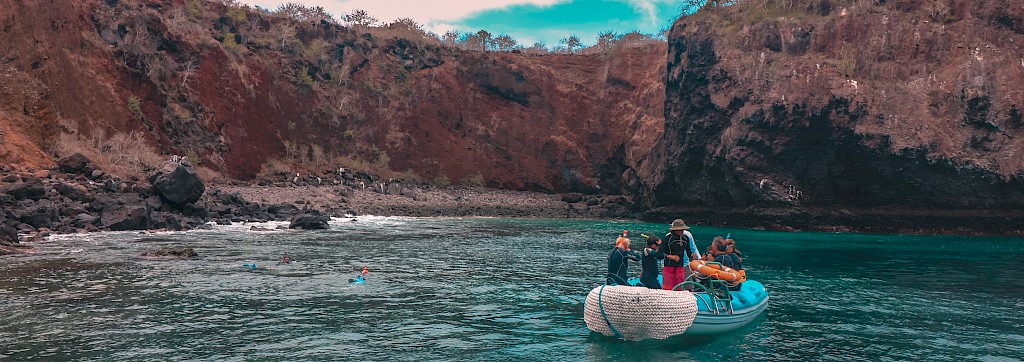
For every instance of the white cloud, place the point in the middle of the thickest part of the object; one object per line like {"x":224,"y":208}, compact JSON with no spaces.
{"x":649,"y":9}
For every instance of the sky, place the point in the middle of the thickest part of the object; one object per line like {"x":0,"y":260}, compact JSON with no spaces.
{"x":529,"y":21}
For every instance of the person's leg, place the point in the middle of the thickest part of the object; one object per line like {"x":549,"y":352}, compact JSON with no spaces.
{"x":651,"y":283}
{"x":668,"y":277}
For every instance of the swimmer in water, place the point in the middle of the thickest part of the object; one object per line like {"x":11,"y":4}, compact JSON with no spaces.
{"x":361,"y":277}
{"x":285,"y":259}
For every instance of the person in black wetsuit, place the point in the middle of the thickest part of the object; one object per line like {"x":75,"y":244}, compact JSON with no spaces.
{"x":649,"y":262}
{"x":724,"y":251}
{"x":618,"y":262}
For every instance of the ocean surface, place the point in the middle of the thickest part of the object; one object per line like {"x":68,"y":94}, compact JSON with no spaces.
{"x":493,"y":289}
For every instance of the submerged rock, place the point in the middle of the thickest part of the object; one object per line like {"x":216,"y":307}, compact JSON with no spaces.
{"x":180,"y":253}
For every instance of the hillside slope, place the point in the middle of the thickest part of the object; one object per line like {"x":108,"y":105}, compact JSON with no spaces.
{"x":246,"y":93}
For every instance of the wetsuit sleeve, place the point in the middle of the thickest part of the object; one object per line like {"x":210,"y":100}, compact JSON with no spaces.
{"x":693,"y":246}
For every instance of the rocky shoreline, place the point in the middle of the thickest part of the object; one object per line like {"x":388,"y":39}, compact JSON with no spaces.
{"x":75,"y":197}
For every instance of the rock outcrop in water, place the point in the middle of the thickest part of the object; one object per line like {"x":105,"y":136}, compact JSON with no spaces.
{"x":309,"y":220}
{"x":172,"y":252}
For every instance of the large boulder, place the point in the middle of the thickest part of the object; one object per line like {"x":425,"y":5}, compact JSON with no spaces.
{"x":74,"y":192}
{"x":74,"y":164}
{"x":125,"y":217}
{"x":309,"y":220}
{"x":41,"y":214}
{"x":32,"y":190}
{"x":177,"y":182}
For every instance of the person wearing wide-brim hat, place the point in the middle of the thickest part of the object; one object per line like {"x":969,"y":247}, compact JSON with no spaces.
{"x":677,"y":241}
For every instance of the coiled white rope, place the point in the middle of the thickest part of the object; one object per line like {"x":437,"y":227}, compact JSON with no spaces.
{"x":639,"y":313}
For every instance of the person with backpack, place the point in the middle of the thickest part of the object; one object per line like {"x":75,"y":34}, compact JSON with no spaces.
{"x":679,"y":243}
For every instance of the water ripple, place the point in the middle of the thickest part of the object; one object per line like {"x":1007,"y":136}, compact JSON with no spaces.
{"x":495,"y":289}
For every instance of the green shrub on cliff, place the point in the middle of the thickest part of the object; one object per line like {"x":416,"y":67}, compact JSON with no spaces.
{"x":134,"y":104}
{"x":303,"y":78}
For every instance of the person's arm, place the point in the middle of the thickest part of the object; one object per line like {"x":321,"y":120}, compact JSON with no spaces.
{"x":693,"y":246}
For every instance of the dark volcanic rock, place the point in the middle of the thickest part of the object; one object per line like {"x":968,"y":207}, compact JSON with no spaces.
{"x":180,"y":253}
{"x":83,"y":220}
{"x":178,"y":183}
{"x":309,"y":220}
{"x":42,"y":214}
{"x":32,"y":190}
{"x":8,"y":234}
{"x":127,"y":217}
{"x":73,"y":192}
{"x":163,"y":220}
{"x":283,"y":210}
{"x":736,"y":136}
{"x":74,"y":164}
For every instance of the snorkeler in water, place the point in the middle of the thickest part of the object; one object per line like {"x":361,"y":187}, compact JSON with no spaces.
{"x":362,"y":275}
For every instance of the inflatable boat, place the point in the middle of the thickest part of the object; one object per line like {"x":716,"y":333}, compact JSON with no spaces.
{"x":708,"y":308}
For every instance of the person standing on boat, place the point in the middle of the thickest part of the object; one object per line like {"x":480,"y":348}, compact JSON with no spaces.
{"x":618,"y":261}
{"x":649,"y":262}
{"x":679,"y":243}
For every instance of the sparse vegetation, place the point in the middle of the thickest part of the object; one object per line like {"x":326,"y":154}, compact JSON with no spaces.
{"x":193,"y":157}
{"x":134,"y":104}
{"x":123,"y":154}
{"x":476,"y":180}
{"x":571,"y":43}
{"x":442,"y":180}
{"x":305,"y":79}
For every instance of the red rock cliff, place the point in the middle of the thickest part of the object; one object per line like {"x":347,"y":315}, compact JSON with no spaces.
{"x":245,"y":91}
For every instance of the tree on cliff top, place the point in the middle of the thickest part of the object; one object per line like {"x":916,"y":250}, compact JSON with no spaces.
{"x":485,"y":39}
{"x":571,"y":43}
{"x":313,"y":14}
{"x":359,"y":17}
{"x":505,"y":42}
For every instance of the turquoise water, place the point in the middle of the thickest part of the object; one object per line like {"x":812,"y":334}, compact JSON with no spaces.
{"x":493,"y":289}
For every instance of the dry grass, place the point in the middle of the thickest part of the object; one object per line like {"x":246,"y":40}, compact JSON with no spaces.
{"x":120,"y":154}
{"x":210,"y":176}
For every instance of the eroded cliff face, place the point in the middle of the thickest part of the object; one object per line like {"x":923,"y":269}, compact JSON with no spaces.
{"x":242,"y":91}
{"x":848,"y":104}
